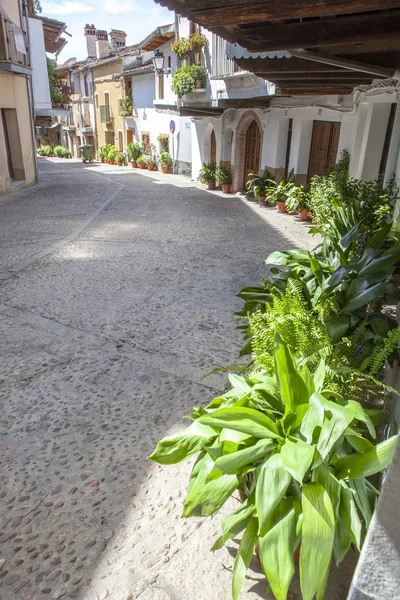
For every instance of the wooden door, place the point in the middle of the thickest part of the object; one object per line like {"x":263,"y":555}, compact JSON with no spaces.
{"x":213,"y":148}
{"x":252,"y":151}
{"x":324,"y":146}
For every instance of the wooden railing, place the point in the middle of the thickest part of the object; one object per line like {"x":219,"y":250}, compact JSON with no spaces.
{"x":221,"y":65}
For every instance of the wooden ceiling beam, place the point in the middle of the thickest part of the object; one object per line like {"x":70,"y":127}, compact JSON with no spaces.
{"x":230,"y":12}
{"x":315,"y":90}
{"x":317,"y":77}
{"x":284,"y":65}
{"x":320,"y":33}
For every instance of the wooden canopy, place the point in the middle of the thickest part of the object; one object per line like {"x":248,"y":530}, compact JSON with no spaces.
{"x":359,"y":39}
{"x":53,"y":30}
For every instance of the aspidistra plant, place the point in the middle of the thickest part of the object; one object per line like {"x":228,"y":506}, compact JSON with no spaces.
{"x":301,"y":454}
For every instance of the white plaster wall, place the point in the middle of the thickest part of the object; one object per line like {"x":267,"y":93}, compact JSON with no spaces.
{"x":373,"y":140}
{"x":40,"y":79}
{"x":148,"y":119}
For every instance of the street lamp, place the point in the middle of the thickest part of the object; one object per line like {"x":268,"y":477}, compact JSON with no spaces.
{"x":158,"y":61}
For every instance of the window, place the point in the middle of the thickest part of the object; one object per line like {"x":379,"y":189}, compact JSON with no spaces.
{"x":146,"y":142}
{"x":169,"y":62}
{"x":107,"y":99}
{"x":161,"y":87}
{"x":86,"y":84}
{"x":97,"y":101}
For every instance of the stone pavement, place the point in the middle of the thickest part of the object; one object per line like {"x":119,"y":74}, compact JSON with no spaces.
{"x":117,"y":293}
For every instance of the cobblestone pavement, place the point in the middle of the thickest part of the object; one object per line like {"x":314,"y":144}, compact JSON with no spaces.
{"x":117,"y":293}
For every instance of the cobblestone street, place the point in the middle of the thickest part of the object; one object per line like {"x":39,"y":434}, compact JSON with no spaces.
{"x":117,"y":294}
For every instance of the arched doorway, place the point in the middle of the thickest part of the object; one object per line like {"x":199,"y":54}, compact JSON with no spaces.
{"x":252,"y":151}
{"x":213,"y":147}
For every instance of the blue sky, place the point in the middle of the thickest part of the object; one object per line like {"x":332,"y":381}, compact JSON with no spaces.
{"x":137,"y":17}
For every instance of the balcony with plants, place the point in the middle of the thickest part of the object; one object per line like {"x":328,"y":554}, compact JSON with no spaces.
{"x":191,"y":77}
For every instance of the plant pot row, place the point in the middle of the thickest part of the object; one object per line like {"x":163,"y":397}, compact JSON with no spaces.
{"x":304,"y":215}
{"x":226,"y":187}
{"x":150,"y":166}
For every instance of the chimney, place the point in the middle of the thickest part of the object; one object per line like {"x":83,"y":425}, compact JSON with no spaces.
{"x":118,"y":39}
{"x":102,"y":47}
{"x":90,"y":35}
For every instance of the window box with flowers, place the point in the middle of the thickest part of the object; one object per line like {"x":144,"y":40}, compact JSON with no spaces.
{"x":187,"y":47}
{"x":186,"y":79}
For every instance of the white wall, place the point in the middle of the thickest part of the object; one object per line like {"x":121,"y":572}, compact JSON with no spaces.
{"x":40,"y":79}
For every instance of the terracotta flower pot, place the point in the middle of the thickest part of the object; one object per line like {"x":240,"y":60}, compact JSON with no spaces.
{"x":102,"y":160}
{"x":211,"y":185}
{"x":226,"y":188}
{"x":134,"y":164}
{"x":304,"y":215}
{"x":165,"y":169}
{"x":151,"y":166}
{"x":142,"y":165}
{"x":111,"y":162}
{"x":281,"y":207}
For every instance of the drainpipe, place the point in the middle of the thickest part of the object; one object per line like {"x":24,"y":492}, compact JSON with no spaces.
{"x":30,"y":88}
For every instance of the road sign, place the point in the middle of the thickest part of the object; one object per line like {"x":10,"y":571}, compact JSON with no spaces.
{"x":172,"y":126}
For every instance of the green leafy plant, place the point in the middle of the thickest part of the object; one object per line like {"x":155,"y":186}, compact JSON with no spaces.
{"x":184,"y":79}
{"x":120,"y":158}
{"x":61,"y":152}
{"x":134,"y":150}
{"x":45,"y":151}
{"x":223,"y":175}
{"x":143,"y":159}
{"x":260,"y":185}
{"x":112,"y":152}
{"x":163,"y":138}
{"x":208,"y":172}
{"x":165,"y":159}
{"x":184,"y":47}
{"x":300,"y":455}
{"x":125,"y":106}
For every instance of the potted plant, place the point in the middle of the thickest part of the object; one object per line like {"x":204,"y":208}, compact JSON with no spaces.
{"x":224,"y":178}
{"x":185,"y":79}
{"x":259,"y":186}
{"x":208,"y":174}
{"x":134,"y":151}
{"x":151,"y":163}
{"x":120,"y":158}
{"x":103,"y":152}
{"x":184,"y":47}
{"x":142,"y":161}
{"x":165,"y":162}
{"x":163,"y":139}
{"x":111,"y":154}
{"x":300,"y":455}
{"x":125,"y":107}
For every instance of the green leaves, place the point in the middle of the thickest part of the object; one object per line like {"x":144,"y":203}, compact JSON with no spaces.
{"x":243,"y":557}
{"x":205,"y":497}
{"x":272,"y":482}
{"x":238,"y":461}
{"x":318,"y":533}
{"x":175,"y":448}
{"x":292,"y":387}
{"x":297,"y":457}
{"x":277,"y":547}
{"x":367,"y":463}
{"x":246,"y":420}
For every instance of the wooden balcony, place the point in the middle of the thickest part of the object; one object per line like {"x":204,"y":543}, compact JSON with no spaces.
{"x":12,"y":44}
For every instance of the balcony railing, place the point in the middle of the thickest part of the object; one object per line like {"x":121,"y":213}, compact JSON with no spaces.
{"x":105,"y":116}
{"x":12,"y":41}
{"x":222,"y":66}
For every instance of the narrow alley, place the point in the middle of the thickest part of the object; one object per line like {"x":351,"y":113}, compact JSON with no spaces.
{"x":117,"y":294}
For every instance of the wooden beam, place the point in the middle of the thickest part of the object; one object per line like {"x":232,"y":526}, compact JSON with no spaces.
{"x":316,"y":90}
{"x":231,"y":12}
{"x":284,"y":65}
{"x":330,"y":32}
{"x":331,"y":77}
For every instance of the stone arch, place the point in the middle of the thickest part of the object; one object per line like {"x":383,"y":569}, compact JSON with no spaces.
{"x":240,"y":147}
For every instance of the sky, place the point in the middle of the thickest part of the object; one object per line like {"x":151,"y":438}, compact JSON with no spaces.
{"x":137,"y":18}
